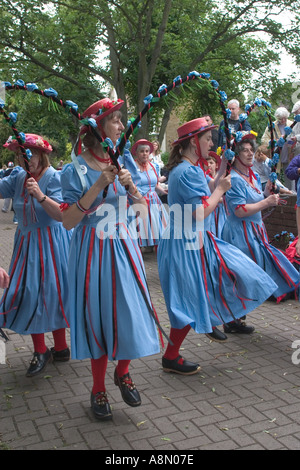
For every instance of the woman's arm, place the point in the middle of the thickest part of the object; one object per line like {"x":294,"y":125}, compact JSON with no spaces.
{"x":4,"y":279}
{"x":73,"y":215}
{"x":224,"y":184}
{"x":247,"y":210}
{"x":49,"y":205}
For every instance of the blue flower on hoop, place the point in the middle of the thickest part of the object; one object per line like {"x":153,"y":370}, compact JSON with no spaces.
{"x":228,"y":113}
{"x":204,"y":75}
{"x":31,"y":86}
{"x":28,"y":154}
{"x":266,"y":103}
{"x":214,"y":83}
{"x":258,"y":101}
{"x":238,"y":136}
{"x":229,"y":154}
{"x":7,"y":84}
{"x":50,"y":92}
{"x":243,"y":117}
{"x":148,"y":99}
{"x":92,"y":122}
{"x":273,"y":177}
{"x":297,"y":118}
{"x":22,"y":136}
{"x":13,"y":117}
{"x":19,"y":82}
{"x":72,"y":105}
{"x":194,"y":74}
{"x":177,"y":79}
{"x":223,"y":96}
{"x":280,"y":142}
{"x":109,"y":142}
{"x":162,"y":88}
{"x":247,"y":107}
{"x":288,"y":130}
{"x":2,"y":103}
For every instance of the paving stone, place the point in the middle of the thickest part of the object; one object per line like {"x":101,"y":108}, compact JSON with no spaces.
{"x":246,"y":395}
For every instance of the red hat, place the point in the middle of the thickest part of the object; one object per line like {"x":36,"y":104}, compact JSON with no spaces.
{"x":141,"y":142}
{"x":216,"y":157}
{"x":191,"y":128}
{"x":31,"y":141}
{"x":102,"y":108}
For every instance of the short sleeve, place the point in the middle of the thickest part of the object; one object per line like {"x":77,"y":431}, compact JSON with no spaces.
{"x":53,"y":189}
{"x":71,"y":187}
{"x":130,"y":165}
{"x":236,"y":196}
{"x":192,"y":186}
{"x":8,"y":184}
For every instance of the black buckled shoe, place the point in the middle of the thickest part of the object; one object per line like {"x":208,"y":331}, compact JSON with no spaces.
{"x":217,"y":335}
{"x":238,"y":326}
{"x":180,"y":366}
{"x":38,"y":363}
{"x":100,"y":406}
{"x":128,"y":389}
{"x":61,"y":356}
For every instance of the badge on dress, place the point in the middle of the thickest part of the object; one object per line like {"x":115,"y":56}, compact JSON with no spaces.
{"x":83,"y":169}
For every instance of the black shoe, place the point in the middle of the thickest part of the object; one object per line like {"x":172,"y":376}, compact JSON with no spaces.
{"x":238,"y":326}
{"x":128,"y":389}
{"x":61,"y":356}
{"x":39,"y":362}
{"x":217,"y":335}
{"x":100,"y":406}
{"x":180,"y":367}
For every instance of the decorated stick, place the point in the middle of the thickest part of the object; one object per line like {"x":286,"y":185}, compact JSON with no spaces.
{"x":11,"y":120}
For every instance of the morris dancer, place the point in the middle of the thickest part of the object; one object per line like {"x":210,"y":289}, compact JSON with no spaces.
{"x":244,"y":227}
{"x":205,"y":281}
{"x":110,"y":306}
{"x":35,"y":300}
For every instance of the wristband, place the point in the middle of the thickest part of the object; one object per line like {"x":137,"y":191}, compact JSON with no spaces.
{"x":42,"y":200}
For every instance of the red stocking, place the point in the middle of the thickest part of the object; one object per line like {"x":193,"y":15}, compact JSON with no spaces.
{"x":176,"y":336}
{"x":39,"y":343}
{"x":98,"y":370}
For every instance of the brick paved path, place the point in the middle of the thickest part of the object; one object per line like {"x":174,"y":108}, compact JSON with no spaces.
{"x":246,"y":396}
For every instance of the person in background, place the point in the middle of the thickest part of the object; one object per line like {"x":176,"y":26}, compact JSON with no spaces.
{"x":262,"y":168}
{"x":281,"y":115}
{"x":234,"y":123}
{"x":245,"y":229}
{"x":155,"y":157}
{"x":149,"y":229}
{"x":34,"y":303}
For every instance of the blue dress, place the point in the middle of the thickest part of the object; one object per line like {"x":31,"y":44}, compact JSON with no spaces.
{"x":205,"y":280}
{"x":150,"y":228}
{"x":35,"y":301}
{"x":110,"y":307}
{"x":249,"y":234}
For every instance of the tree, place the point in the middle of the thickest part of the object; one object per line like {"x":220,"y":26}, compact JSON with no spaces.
{"x":135,"y":46}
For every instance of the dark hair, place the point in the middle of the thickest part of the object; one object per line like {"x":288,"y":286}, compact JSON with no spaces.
{"x":176,"y":154}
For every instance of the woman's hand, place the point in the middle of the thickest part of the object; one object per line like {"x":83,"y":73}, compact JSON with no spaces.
{"x":273,"y":200}
{"x":108,"y":176}
{"x":125,"y":178}
{"x":4,"y":279}
{"x":224,"y":183}
{"x":33,"y":189}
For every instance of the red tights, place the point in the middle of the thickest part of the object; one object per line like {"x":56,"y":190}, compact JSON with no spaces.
{"x":99,"y":369}
{"x":59,"y":337}
{"x":176,"y":336}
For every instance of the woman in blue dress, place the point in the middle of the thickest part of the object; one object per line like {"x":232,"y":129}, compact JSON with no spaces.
{"x":244,"y":227}
{"x":205,"y":281}
{"x":35,"y":301}
{"x":150,"y":228}
{"x":112,"y":317}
